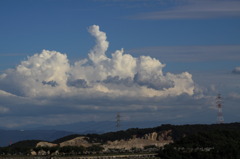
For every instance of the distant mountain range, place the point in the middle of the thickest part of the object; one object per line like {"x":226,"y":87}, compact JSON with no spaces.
{"x":100,"y":127}
{"x":50,"y":133}
{"x":8,"y":137}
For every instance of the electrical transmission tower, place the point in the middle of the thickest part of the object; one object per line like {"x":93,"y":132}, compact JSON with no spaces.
{"x":219,"y":102}
{"x":118,"y":120}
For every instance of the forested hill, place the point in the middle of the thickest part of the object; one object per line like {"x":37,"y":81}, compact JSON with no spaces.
{"x":8,"y":137}
{"x":177,"y":132}
{"x":219,"y":142}
{"x":216,"y":141}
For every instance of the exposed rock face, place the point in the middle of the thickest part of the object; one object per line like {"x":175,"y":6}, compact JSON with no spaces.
{"x":45,"y":144}
{"x":162,"y":136}
{"x":165,"y":135}
{"x":78,"y":141}
{"x":154,"y":138}
{"x":157,"y":139}
{"x":133,"y":143}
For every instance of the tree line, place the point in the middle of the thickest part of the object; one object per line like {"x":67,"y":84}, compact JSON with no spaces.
{"x":217,"y":144}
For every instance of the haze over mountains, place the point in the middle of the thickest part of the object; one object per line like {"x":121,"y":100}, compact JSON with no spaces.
{"x":8,"y":137}
{"x":50,"y":133}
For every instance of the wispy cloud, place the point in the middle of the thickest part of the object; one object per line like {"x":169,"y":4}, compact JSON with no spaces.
{"x":195,"y":9}
{"x":191,"y":53}
{"x":13,"y":54}
{"x":236,"y":70}
{"x":3,"y":110}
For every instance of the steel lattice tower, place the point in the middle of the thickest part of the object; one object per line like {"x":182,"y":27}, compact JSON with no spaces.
{"x":118,"y":120}
{"x":219,"y":102}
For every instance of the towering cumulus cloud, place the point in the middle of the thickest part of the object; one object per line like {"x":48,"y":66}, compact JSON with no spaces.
{"x":98,"y":52}
{"x":50,"y":74}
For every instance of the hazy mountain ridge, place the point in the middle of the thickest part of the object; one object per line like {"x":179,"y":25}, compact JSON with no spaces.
{"x":100,"y":127}
{"x":50,"y":133}
{"x":8,"y":137}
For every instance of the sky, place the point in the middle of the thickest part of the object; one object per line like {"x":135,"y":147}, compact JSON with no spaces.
{"x":70,"y":61}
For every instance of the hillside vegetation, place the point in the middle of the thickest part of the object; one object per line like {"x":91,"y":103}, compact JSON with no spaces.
{"x":178,"y":131}
{"x":214,"y":144}
{"x":170,"y":141}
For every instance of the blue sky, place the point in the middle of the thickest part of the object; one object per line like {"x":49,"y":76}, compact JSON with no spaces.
{"x":29,"y":26}
{"x":201,"y":37}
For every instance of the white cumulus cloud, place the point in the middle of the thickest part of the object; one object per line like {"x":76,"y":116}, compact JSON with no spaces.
{"x":49,"y":73}
{"x":44,"y":73}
